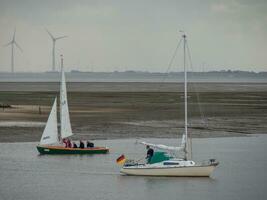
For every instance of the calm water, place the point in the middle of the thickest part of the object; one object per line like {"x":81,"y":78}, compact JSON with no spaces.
{"x":26,"y":175}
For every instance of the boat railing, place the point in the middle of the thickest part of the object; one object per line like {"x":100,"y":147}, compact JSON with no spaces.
{"x":130,"y":162}
{"x":209,"y":162}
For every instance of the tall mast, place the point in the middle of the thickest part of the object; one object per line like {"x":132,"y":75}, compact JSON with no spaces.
{"x":185,"y":100}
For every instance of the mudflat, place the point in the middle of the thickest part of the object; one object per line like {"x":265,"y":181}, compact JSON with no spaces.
{"x":135,"y":110}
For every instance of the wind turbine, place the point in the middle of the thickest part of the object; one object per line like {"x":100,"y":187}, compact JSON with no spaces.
{"x":12,"y":43}
{"x":54,"y":39}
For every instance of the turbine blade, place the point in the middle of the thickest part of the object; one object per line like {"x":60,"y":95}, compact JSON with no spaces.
{"x":7,"y":44}
{"x":18,"y":46}
{"x":50,"y":34}
{"x":58,"y":38}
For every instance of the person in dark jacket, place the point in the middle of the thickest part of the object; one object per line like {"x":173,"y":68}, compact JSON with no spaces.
{"x":149,"y":154}
{"x":90,"y":144}
{"x":65,"y":142}
{"x":68,"y":143}
{"x":81,"y":144}
{"x":74,"y":145}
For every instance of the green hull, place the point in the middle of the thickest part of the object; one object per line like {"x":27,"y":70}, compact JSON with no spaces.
{"x":63,"y":150}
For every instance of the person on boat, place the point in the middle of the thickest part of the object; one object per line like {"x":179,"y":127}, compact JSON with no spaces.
{"x":69,"y":143}
{"x":65,"y":142}
{"x":74,"y":145}
{"x":149,"y":153}
{"x":90,"y":144}
{"x":81,"y":144}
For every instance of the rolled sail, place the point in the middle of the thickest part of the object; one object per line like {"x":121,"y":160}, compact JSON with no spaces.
{"x":168,"y":148}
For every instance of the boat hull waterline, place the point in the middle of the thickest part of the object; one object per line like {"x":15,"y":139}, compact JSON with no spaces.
{"x":193,"y":171}
{"x":64,"y":150}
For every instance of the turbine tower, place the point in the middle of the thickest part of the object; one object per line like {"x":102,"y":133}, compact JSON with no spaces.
{"x":54,"y":39}
{"x":12,"y":43}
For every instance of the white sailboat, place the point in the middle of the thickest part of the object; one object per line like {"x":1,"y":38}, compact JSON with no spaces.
{"x":172,"y":165}
{"x":51,"y":142}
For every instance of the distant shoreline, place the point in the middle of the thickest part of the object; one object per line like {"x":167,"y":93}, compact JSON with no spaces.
{"x":133,"y":87}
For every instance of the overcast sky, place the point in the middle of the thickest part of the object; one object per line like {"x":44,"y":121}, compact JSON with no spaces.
{"x":134,"y":35}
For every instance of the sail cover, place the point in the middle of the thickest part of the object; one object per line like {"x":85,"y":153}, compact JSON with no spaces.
{"x":168,"y":148}
{"x":65,"y":128}
{"x":50,"y":134}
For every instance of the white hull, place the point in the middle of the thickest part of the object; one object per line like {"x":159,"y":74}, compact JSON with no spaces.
{"x":197,"y":171}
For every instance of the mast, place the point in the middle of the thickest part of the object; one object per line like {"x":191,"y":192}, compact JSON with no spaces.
{"x":185,"y":99}
{"x":61,"y":113}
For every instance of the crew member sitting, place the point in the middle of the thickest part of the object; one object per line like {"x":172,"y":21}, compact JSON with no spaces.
{"x":90,"y":144}
{"x":68,"y":143}
{"x":149,"y":154}
{"x":74,"y":145}
{"x":81,"y":144}
{"x":65,"y":142}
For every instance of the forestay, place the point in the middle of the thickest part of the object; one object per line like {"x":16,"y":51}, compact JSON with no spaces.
{"x":65,"y":129}
{"x":50,"y":134}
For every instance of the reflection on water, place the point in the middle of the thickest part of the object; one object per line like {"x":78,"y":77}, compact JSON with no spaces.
{"x":26,"y":175}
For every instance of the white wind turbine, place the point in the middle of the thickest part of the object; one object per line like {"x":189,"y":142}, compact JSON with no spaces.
{"x":54,"y":39}
{"x":12,"y":43}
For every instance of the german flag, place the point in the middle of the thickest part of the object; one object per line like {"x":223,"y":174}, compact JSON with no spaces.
{"x":121,"y":160}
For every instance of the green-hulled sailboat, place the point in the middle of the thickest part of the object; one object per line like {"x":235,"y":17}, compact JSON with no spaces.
{"x":50,"y":142}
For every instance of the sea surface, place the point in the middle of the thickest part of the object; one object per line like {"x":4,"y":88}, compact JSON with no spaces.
{"x":24,"y":174}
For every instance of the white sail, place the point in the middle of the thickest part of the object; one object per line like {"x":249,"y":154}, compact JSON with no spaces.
{"x":65,"y":128}
{"x":50,"y":134}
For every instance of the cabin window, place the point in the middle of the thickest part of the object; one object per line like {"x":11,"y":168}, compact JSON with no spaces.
{"x":170,"y":163}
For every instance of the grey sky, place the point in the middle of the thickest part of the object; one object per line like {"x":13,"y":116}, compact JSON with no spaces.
{"x":135,"y":35}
